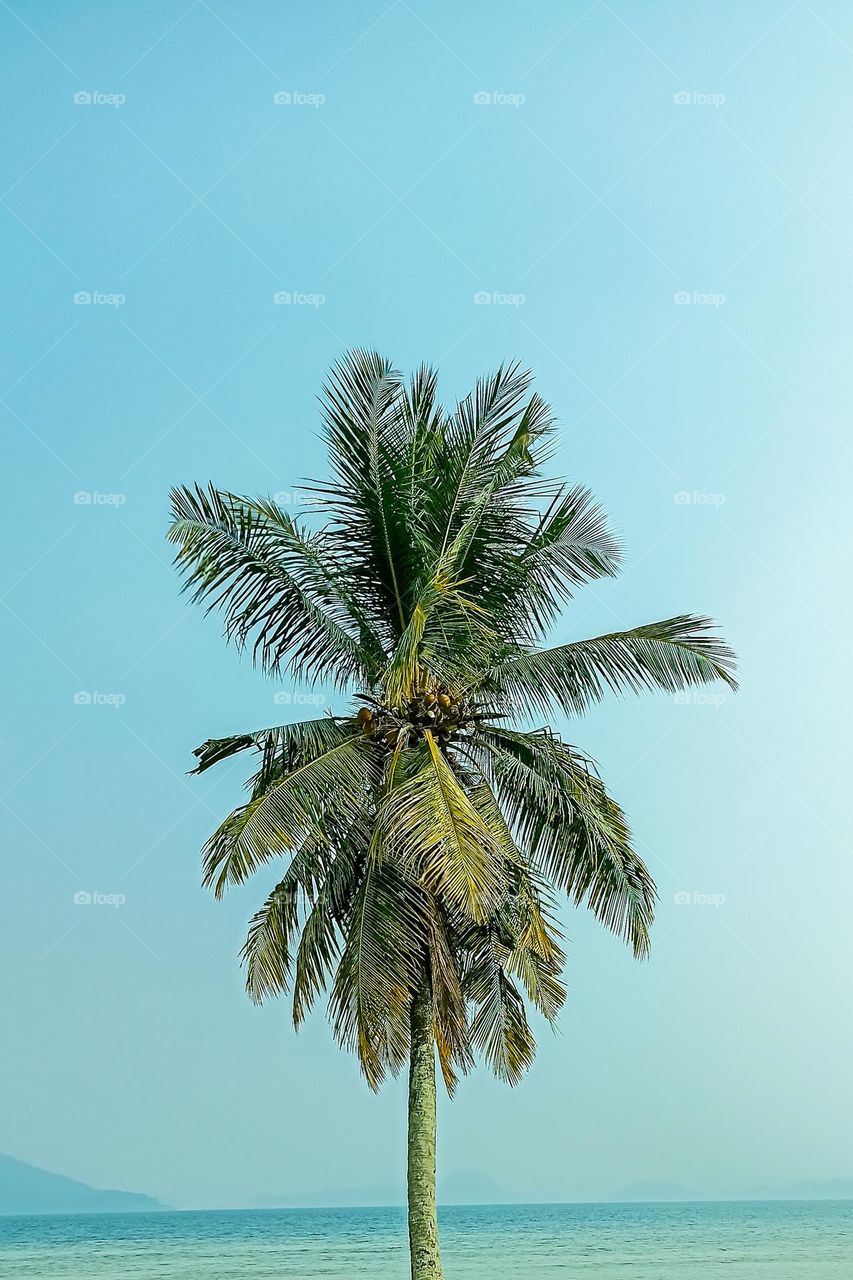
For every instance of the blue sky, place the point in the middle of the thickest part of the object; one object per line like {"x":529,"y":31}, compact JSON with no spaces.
{"x":654,"y":202}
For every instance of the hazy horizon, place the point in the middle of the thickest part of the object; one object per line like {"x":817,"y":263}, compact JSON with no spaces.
{"x":460,"y":1188}
{"x":650,"y":212}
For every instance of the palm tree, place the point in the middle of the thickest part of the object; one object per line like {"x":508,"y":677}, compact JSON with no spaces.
{"x":428,"y":830}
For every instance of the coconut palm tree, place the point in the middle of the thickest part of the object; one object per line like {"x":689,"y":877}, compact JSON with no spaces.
{"x":429,"y":829}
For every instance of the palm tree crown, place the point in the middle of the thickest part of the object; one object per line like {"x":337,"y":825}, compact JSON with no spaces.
{"x":427,"y":833}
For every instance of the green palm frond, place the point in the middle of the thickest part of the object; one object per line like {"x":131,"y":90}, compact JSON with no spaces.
{"x":573,"y":830}
{"x":325,"y":573}
{"x":482,"y":430}
{"x":430,"y":824}
{"x":319,"y":948}
{"x":499,"y":1029}
{"x":364,"y":411}
{"x":337,"y":782}
{"x":540,"y":980}
{"x":425,"y":839}
{"x":380,"y":969}
{"x":672,"y":655}
{"x":446,"y":635}
{"x":450,"y":1012}
{"x":281,"y":747}
{"x":572,"y":544}
{"x":264,"y":576}
{"x":267,"y":951}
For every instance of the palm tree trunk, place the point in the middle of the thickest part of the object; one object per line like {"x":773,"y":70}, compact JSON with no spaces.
{"x":423,"y":1217}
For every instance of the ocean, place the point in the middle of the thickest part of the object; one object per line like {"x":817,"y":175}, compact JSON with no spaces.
{"x":778,"y":1240}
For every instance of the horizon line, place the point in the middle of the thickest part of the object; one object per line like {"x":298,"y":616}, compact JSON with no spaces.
{"x":400,"y":1205}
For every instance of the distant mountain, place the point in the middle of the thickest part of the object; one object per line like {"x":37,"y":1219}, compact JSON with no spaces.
{"x":639,"y":1192}
{"x":26,"y":1189}
{"x":837,"y":1189}
{"x":470,"y":1186}
{"x":336,"y":1198}
{"x":655,"y":1192}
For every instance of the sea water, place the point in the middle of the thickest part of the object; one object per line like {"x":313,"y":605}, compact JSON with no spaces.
{"x":778,"y":1240}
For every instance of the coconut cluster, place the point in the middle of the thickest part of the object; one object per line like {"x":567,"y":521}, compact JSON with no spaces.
{"x":436,"y":709}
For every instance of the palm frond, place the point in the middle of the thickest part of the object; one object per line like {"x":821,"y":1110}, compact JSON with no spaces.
{"x":532,"y":934}
{"x":379,"y":971}
{"x":499,"y":1029}
{"x":364,"y":411}
{"x":572,"y":829}
{"x":426,"y":861}
{"x":337,"y":781}
{"x":281,"y":747}
{"x":267,"y":950}
{"x":570,"y":545}
{"x":431,"y":826}
{"x":263,"y":575}
{"x":319,"y":948}
{"x":446,"y":635}
{"x":481,"y":430}
{"x":671,"y":655}
{"x":450,"y":1014}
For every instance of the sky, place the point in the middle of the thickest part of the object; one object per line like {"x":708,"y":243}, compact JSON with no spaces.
{"x":204,"y":205}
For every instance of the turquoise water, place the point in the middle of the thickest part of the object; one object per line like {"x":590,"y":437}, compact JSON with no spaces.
{"x":781,"y":1240}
